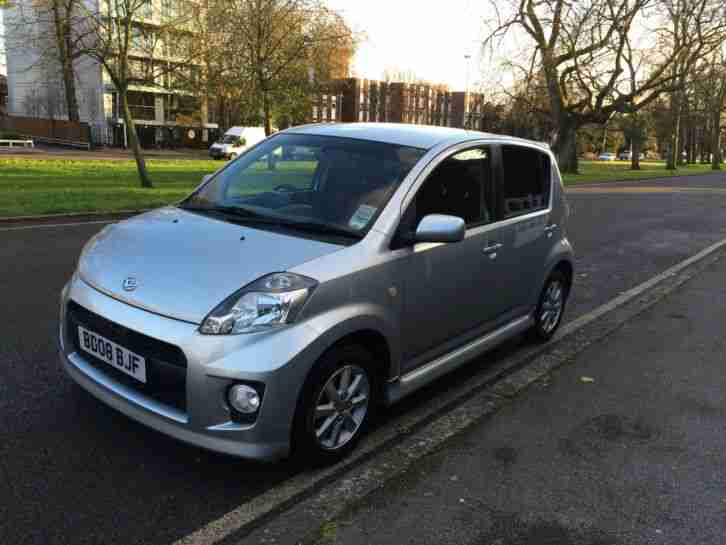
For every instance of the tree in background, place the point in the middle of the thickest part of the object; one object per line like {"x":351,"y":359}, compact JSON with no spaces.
{"x":584,"y":52}
{"x":712,"y":87}
{"x":635,"y":126}
{"x":695,"y":29}
{"x":48,"y":26}
{"x":134,"y":47}
{"x":63,"y":13}
{"x":281,"y":46}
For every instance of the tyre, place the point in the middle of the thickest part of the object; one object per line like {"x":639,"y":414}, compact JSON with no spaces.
{"x":336,"y":406}
{"x":232,"y":156}
{"x":550,"y":307}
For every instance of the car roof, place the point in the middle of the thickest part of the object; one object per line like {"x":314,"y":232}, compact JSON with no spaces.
{"x":402,"y":134}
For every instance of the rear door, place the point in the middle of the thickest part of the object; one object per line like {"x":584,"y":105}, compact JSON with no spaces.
{"x":524,"y":206}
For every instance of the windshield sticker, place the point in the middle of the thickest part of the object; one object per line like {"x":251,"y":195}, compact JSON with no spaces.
{"x":362,"y":216}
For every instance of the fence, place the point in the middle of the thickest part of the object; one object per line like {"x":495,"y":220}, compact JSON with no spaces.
{"x":47,"y":130}
{"x":356,"y":99}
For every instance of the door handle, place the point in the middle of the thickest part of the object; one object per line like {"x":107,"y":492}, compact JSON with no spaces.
{"x":492,"y":248}
{"x":549,"y":229}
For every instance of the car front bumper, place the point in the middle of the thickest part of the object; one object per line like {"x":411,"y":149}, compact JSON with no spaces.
{"x":278,"y":360}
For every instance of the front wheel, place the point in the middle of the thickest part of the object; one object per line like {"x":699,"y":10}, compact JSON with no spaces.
{"x":550,"y":307}
{"x":336,"y":406}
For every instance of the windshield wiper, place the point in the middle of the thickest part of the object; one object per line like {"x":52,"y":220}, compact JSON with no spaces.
{"x":247,"y":215}
{"x":319,"y":227}
{"x":243,"y":213}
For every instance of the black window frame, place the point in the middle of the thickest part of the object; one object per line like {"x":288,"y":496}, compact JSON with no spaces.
{"x":406,"y":229}
{"x":501,"y":181}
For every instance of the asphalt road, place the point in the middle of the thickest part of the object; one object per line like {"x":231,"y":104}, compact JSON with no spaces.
{"x":622,"y":445}
{"x":74,"y":471}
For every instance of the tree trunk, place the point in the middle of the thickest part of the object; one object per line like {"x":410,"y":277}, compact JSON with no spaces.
{"x":674,"y":139}
{"x":64,"y":42}
{"x":716,"y":141}
{"x":130,"y":128}
{"x":266,"y":110}
{"x":565,"y":147}
{"x":635,"y":157}
{"x":69,"y":82}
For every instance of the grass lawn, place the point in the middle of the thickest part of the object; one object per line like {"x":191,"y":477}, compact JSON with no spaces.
{"x":34,"y":186}
{"x":610,"y":171}
{"x":39,"y":186}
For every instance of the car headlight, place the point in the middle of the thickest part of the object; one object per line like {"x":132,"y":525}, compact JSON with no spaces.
{"x":271,"y":301}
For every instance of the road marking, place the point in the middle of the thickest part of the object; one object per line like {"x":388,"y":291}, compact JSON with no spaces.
{"x":26,"y":227}
{"x":297,"y":488}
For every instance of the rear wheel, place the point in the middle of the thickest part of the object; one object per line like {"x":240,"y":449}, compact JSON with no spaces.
{"x":336,"y":405}
{"x":550,"y":307}
{"x":232,"y":156}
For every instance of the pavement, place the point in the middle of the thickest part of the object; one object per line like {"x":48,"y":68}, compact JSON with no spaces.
{"x":75,"y":471}
{"x":623,"y":445}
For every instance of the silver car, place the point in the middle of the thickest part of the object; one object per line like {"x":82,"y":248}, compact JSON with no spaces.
{"x":326,"y":271}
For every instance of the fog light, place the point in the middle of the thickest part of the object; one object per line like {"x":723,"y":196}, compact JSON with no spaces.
{"x":244,"y":399}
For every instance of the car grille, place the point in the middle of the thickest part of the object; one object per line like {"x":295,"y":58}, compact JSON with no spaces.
{"x":166,"y":366}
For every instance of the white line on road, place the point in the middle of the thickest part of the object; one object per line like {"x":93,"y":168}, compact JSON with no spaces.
{"x":26,"y":227}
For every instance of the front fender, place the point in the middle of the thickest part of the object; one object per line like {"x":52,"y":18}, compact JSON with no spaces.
{"x":336,"y":324}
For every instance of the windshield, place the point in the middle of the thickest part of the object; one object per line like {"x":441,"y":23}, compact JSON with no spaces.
{"x":230,"y":139}
{"x":309,"y":182}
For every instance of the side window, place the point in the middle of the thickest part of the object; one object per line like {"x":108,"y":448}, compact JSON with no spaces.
{"x":462,"y":186}
{"x":527,"y":178}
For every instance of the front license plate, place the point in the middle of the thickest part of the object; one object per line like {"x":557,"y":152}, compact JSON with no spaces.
{"x":117,"y":356}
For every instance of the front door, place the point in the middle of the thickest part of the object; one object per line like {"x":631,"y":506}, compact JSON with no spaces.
{"x":452,"y":290}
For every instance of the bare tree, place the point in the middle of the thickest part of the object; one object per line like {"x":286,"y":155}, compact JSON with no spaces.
{"x":635,"y":126}
{"x":695,"y":29}
{"x":586,"y":55}
{"x":48,"y":26}
{"x":64,"y":13}
{"x":713,"y":90}
{"x":33,"y":102}
{"x":135,"y":45}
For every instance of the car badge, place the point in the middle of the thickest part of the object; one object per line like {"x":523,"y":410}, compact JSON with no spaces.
{"x":130,"y":283}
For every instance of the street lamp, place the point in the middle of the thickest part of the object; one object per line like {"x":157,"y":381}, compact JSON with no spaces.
{"x":467,"y":57}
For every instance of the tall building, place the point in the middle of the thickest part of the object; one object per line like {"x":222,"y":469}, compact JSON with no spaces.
{"x":164,"y":116}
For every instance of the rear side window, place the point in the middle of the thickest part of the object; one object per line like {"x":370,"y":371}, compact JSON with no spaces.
{"x":526,"y":180}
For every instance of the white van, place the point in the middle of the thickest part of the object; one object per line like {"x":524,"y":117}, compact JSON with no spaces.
{"x":235,"y":141}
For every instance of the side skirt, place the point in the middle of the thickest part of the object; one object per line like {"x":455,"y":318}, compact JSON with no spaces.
{"x":421,"y":376}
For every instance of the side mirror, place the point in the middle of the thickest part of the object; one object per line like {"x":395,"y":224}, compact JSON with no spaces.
{"x":440,"y":228}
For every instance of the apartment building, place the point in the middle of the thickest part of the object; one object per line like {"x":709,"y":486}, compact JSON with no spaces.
{"x":164,"y":115}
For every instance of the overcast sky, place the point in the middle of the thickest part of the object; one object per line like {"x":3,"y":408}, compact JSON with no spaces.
{"x":429,"y":38}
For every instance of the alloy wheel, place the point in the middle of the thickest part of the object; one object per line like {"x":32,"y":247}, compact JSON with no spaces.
{"x":552,"y":305}
{"x":341,"y":407}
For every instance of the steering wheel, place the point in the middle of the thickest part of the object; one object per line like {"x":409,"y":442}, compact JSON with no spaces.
{"x":286,"y":188}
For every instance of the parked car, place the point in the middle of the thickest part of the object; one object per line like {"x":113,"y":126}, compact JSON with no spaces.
{"x":272,"y":310}
{"x":607,"y":156}
{"x":627,"y":155}
{"x":235,"y":141}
